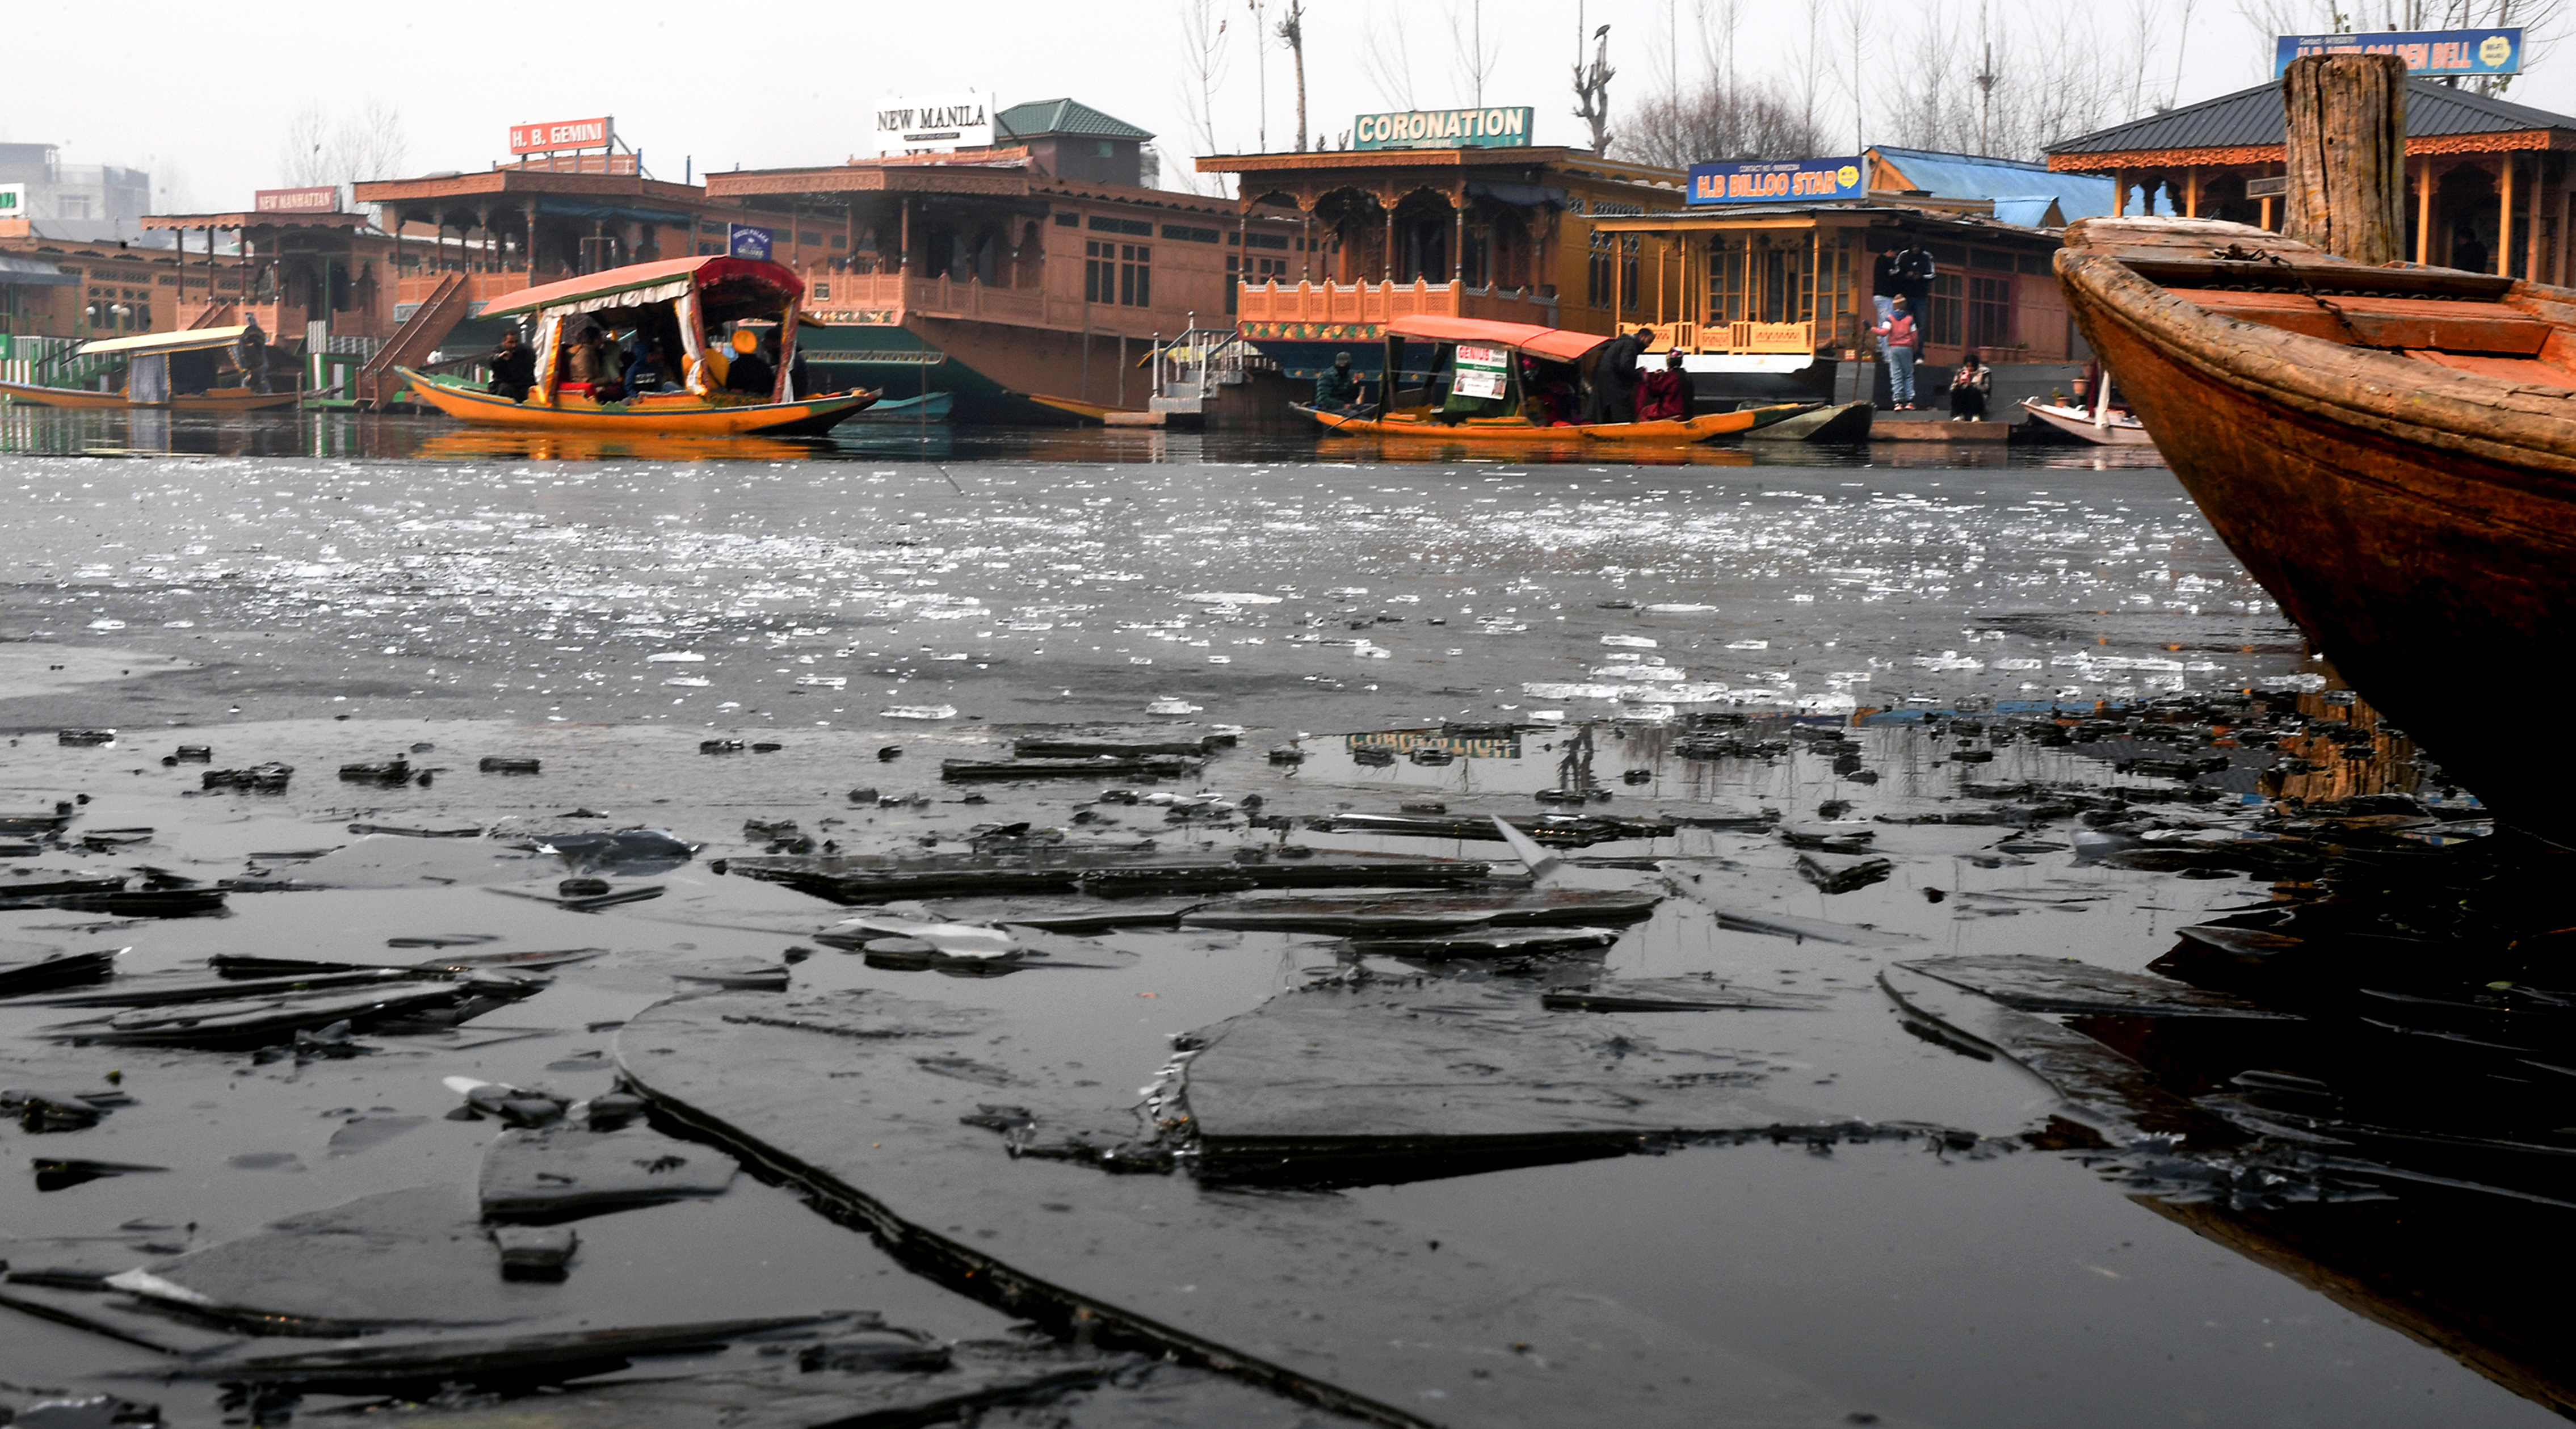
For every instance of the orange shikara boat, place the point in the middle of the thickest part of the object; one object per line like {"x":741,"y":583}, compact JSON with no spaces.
{"x":2390,"y":451}
{"x":1512,"y":384}
{"x":673,"y":308}
{"x":174,"y":371}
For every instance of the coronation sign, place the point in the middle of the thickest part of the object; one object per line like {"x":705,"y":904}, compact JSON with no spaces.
{"x":941,"y":124}
{"x":1443,"y":129}
{"x":559,"y":134}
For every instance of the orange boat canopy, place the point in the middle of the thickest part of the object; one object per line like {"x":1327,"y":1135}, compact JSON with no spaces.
{"x":728,"y":288}
{"x":1549,"y":342}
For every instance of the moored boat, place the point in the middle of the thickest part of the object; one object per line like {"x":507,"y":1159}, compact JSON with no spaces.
{"x":2100,"y":427}
{"x":212,"y":369}
{"x":1512,"y":384}
{"x":2391,"y":451}
{"x":675,"y":307}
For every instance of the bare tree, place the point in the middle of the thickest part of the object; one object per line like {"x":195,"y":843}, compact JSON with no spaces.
{"x":369,"y":144}
{"x":1203,"y":69}
{"x":302,"y":158}
{"x":1592,"y":88}
{"x":1767,"y":120}
{"x":1386,"y":57}
{"x":1292,"y":33}
{"x":1472,"y":58}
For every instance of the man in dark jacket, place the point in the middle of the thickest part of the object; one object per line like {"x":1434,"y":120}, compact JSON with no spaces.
{"x":1337,"y":390}
{"x":1914,"y":274}
{"x":514,"y":368}
{"x":1614,"y":379}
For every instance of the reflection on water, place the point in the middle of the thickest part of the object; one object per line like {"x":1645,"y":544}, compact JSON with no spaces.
{"x":44,"y":431}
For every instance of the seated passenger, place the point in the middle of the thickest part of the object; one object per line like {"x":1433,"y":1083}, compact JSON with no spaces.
{"x":514,"y":368}
{"x":1666,"y":392}
{"x":751,"y":372}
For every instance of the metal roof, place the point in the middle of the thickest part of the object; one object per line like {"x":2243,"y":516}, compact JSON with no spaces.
{"x":1042,"y":117}
{"x":2252,"y":118}
{"x":2003,"y":180}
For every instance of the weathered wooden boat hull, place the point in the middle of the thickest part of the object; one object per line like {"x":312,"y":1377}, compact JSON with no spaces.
{"x":1514,"y":431}
{"x":224,"y":399}
{"x":2418,"y":522}
{"x":1849,"y":422}
{"x":2115,"y":433}
{"x":811,"y":417}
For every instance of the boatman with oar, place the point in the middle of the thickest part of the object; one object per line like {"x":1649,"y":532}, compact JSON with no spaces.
{"x":1337,"y":389}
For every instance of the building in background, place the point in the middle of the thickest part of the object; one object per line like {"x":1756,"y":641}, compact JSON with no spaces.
{"x":2486,"y":181}
{"x":87,"y":202}
{"x":1448,"y":212}
{"x":1029,"y":274}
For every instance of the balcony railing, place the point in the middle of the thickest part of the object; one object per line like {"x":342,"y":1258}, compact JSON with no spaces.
{"x":1372,"y":304}
{"x":479,"y":287}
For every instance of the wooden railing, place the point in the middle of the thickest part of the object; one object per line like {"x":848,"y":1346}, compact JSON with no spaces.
{"x":479,"y":287}
{"x":1374,"y":303}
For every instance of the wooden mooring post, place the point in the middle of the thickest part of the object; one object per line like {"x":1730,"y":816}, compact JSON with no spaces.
{"x":2347,"y":155}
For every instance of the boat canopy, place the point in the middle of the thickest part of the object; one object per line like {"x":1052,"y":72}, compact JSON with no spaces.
{"x":1549,"y":342}
{"x":728,"y":288}
{"x":145,"y":344}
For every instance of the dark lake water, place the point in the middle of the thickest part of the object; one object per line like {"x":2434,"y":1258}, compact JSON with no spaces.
{"x":318,"y":592}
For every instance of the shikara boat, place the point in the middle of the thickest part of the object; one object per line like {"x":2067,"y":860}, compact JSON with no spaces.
{"x":193,"y":370}
{"x":1499,"y":384}
{"x":677,"y":305}
{"x":2390,"y":451}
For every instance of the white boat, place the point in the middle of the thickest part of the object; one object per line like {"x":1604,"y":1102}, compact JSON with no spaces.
{"x":2105,"y":425}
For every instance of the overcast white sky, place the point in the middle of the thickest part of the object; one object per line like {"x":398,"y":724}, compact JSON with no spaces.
{"x":202,"y":95}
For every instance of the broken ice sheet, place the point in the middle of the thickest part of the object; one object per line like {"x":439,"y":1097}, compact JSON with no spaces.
{"x":1404,"y":1084}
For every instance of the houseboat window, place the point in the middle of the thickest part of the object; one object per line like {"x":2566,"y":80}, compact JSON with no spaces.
{"x":1068,"y":220}
{"x":1726,"y":280}
{"x":1596,"y":272}
{"x":1135,"y":275}
{"x":1990,"y":260}
{"x":1120,"y":273}
{"x":2035,"y":263}
{"x":1628,"y":284}
{"x":1136,"y":226}
{"x":710,"y":226}
{"x":1267,"y":240}
{"x":809,"y":240}
{"x":1947,"y":291}
{"x":1186,"y":234}
{"x":1990,"y":314}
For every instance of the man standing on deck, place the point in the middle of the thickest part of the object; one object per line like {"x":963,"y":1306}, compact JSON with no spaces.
{"x":1614,"y":379}
{"x":1336,"y":390}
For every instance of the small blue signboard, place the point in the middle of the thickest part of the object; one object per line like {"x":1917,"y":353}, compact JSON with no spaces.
{"x":2429,"y":54}
{"x":744,"y":241}
{"x":1777,"y":181}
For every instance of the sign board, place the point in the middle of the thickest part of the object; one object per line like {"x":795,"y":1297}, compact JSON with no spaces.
{"x":934,"y":124}
{"x":324,"y":198}
{"x":1777,"y":181}
{"x":744,"y":241}
{"x":1481,"y":371}
{"x":2429,"y":54}
{"x":560,"y":134}
{"x":2274,"y":187}
{"x":1443,"y":129}
{"x":13,"y":200}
